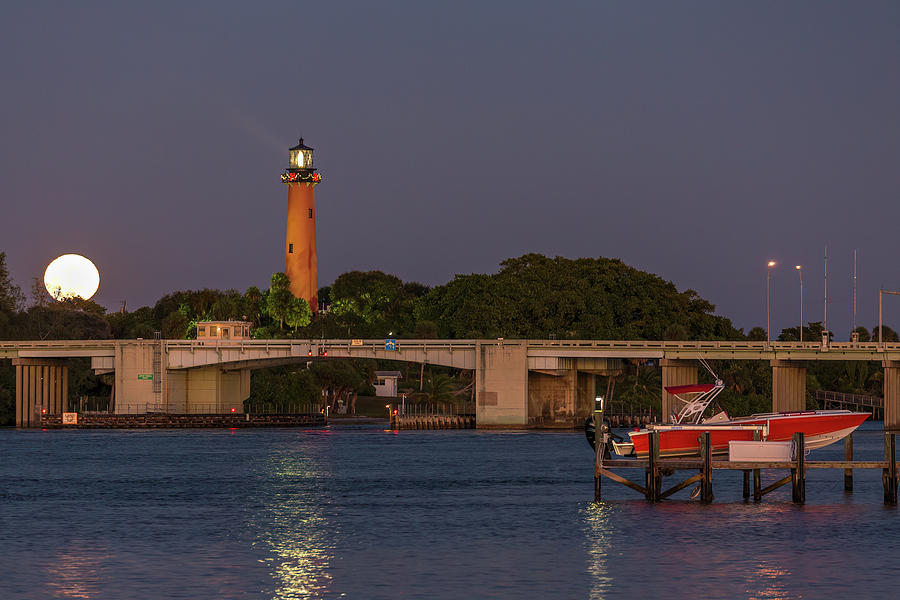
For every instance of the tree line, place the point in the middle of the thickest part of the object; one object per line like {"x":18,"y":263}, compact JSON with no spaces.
{"x":532,"y":296}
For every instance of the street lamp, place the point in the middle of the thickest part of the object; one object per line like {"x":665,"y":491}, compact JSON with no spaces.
{"x":769,"y":267}
{"x":800,"y":273}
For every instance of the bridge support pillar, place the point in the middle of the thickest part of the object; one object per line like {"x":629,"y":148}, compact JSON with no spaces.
{"x":553,"y":397}
{"x":501,"y":384}
{"x":788,"y":385}
{"x":584,"y":400}
{"x":42,"y":385}
{"x":208,"y":390}
{"x":674,"y":372}
{"x":891,"y":409}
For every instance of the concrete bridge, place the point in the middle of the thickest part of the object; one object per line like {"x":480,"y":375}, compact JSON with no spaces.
{"x":517,"y":382}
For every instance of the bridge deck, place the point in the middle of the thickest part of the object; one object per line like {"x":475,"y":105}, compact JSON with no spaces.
{"x":457,"y":353}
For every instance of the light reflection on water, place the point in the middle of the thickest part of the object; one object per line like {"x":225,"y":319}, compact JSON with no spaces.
{"x":766,"y":581}
{"x":76,"y":571}
{"x":597,"y":519}
{"x":294,"y":525}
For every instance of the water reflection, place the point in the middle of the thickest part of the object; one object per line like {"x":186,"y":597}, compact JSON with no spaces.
{"x":597,"y":529}
{"x":294,"y":527}
{"x":767,"y":581}
{"x":76,"y":573}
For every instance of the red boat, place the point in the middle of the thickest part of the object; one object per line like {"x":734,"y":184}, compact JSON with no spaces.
{"x":820,"y":427}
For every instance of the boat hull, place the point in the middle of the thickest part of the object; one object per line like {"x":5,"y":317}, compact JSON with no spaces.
{"x":820,"y":428}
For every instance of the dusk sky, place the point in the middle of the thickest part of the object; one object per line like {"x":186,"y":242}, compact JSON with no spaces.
{"x":695,"y":140}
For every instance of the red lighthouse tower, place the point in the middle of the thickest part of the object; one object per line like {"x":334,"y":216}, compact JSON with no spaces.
{"x":300,"y":241}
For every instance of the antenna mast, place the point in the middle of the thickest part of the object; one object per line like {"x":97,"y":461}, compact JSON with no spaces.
{"x":825,"y":320}
{"x":854,"y":290}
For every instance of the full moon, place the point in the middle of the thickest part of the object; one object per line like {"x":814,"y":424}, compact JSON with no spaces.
{"x":71,"y":276}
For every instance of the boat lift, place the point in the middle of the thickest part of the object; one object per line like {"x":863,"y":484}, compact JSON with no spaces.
{"x":655,"y":467}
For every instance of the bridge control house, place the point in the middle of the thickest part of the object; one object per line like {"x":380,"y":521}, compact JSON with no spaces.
{"x":223,"y":330}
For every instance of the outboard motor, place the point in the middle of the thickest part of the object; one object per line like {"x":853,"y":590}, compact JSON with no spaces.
{"x":590,"y":430}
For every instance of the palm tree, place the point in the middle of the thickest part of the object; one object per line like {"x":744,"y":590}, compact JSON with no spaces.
{"x":438,"y":388}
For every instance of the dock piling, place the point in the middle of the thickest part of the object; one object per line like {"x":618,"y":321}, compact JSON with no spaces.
{"x":654,"y":479}
{"x":889,"y":474}
{"x":706,"y":492}
{"x":848,"y":456}
{"x":757,"y":486}
{"x":600,"y":441}
{"x":757,"y":479}
{"x":798,"y":472}
{"x":600,"y":449}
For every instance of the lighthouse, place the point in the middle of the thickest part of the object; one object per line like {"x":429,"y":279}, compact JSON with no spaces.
{"x":300,"y":241}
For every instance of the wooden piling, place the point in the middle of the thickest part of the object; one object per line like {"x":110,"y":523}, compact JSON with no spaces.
{"x":654,"y":479}
{"x":600,"y":441}
{"x":798,"y":472}
{"x":757,"y":479}
{"x":706,"y":492}
{"x":757,"y":486}
{"x":848,"y":456}
{"x":599,"y":446}
{"x":889,"y":474}
{"x":746,"y":484}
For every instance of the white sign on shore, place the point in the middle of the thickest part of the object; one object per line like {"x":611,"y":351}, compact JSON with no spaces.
{"x":70,"y":418}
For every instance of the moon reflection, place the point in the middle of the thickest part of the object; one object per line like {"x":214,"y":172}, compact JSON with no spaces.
{"x":77,"y":572}
{"x":296,"y":530}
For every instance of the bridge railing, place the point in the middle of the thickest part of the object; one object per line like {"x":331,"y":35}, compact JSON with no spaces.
{"x":353,"y":345}
{"x":438,"y":344}
{"x":379,"y":347}
{"x":750,"y":345}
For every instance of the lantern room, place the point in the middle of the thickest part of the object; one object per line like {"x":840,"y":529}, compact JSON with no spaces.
{"x":300,"y":157}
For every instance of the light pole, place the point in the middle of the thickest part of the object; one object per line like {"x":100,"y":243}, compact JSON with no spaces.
{"x":769,"y":268}
{"x":800,"y":273}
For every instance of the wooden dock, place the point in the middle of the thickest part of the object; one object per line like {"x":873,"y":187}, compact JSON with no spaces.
{"x":655,"y":467}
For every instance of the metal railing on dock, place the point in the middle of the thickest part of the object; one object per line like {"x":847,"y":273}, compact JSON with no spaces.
{"x":857,"y":402}
{"x":654,"y":467}
{"x":433,"y":422}
{"x":631,"y":418}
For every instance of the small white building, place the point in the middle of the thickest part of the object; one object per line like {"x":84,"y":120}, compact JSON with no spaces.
{"x":386,"y":383}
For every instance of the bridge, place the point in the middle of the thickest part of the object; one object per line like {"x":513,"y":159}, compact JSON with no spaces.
{"x":517,"y":382}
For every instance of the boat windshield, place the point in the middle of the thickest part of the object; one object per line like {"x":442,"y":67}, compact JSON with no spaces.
{"x":696,"y":398}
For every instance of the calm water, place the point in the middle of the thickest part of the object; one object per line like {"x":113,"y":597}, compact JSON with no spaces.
{"x":364,"y":513}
